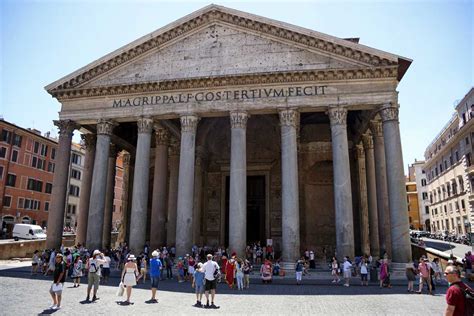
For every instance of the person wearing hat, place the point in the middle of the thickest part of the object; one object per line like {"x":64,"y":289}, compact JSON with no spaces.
{"x":155,"y":272}
{"x":59,"y":277}
{"x":129,"y":276}
{"x":93,"y":266}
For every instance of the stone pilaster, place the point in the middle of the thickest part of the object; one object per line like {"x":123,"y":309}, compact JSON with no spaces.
{"x":138,"y":216}
{"x":109,"y":197}
{"x":95,"y":222}
{"x":342,"y":182}
{"x":238,"y":183}
{"x":60,"y":184}
{"x":289,"y":121}
{"x":382,"y":191}
{"x":125,"y":220}
{"x":173,"y":166}
{"x":184,"y":229}
{"x":88,"y":143}
{"x":198,"y":189}
{"x":363,"y":205}
{"x":401,"y":247}
{"x":160,"y":177}
{"x":371,"y":194}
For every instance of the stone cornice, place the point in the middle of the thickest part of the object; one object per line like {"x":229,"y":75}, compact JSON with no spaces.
{"x":225,"y":81}
{"x":213,"y":16}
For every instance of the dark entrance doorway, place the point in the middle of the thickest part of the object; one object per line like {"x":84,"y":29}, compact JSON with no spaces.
{"x":255,"y":209}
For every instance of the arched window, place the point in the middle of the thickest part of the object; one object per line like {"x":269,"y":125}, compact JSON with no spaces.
{"x":26,"y":220}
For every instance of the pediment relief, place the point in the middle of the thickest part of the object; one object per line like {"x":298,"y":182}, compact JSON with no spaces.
{"x":219,"y":50}
{"x":306,"y":41}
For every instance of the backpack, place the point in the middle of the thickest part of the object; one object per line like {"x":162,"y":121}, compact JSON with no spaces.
{"x":217,"y":272}
{"x":468,"y":299}
{"x":92,"y":267}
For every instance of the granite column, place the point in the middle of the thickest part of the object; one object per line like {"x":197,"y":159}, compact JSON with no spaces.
{"x":173,"y":165}
{"x":363,"y":205}
{"x":109,"y":197}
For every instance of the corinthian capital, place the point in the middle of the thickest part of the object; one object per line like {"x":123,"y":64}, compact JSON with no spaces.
{"x":105,"y":127}
{"x":174,"y":147}
{"x":289,"y":117}
{"x":161,"y":134}
{"x":360,"y":151}
{"x":88,"y":141}
{"x":337,"y":115}
{"x":238,"y":119}
{"x":389,"y":112}
{"x":145,"y":125}
{"x":189,"y":123}
{"x":368,"y":141}
{"x":66,"y":127}
{"x":376,"y":128}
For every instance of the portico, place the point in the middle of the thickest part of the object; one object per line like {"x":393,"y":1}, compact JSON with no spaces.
{"x":222,"y":134}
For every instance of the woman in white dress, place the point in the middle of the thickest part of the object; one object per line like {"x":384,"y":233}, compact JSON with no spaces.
{"x":129,"y":276}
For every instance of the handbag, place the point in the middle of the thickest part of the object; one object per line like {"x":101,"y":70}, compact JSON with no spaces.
{"x":57,"y":287}
{"x":121,"y":289}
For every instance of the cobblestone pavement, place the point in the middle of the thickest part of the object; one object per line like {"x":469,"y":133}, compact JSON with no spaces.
{"x":26,"y":295}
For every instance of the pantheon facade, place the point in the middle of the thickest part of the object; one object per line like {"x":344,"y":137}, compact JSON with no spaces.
{"x":236,"y":128}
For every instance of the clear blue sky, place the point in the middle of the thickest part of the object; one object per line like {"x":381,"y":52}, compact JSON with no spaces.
{"x":42,"y":41}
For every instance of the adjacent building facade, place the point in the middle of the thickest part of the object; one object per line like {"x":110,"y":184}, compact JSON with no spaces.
{"x":237,"y":128}
{"x":418,"y":184}
{"x":450,"y":172}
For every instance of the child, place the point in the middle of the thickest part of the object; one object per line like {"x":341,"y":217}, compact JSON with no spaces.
{"x":198,"y":284}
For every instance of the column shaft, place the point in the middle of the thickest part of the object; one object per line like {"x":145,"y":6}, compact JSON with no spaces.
{"x":238,"y":184}
{"x":184,"y":229}
{"x":158,"y":208}
{"x":60,"y":185}
{"x":382,"y":191}
{"x":371,"y":195}
{"x":342,"y":183}
{"x":289,"y":120}
{"x":172,"y":194}
{"x":109,"y":198}
{"x":138,"y":216}
{"x":401,"y":246}
{"x":89,"y":141}
{"x":122,"y":235}
{"x":198,"y":188}
{"x":363,"y":205}
{"x":95,"y":222}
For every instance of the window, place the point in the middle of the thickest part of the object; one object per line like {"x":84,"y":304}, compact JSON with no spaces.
{"x":463,"y":206}
{"x":14,"y":155}
{"x":34,"y":162}
{"x":71,"y":209}
{"x":6,"y":136}
{"x":451,"y":160}
{"x":440,"y":168}
{"x":423,"y":182}
{"x":1,"y":172}
{"x":3,"y":152}
{"x":76,"y":159}
{"x":7,"y":201}
{"x":467,"y":140}
{"x":427,"y":210}
{"x":44,"y":150}
{"x":50,"y":167}
{"x":36,"y":147}
{"x":445,"y":164}
{"x":21,"y":202}
{"x":49,"y":188}
{"x":53,"y":153}
{"x":11,"y":179}
{"x":76,"y":174}
{"x":424,"y":195}
{"x":46,"y":206}
{"x":35,"y":185}
{"x":17,"y":140}
{"x":74,"y":190}
{"x":436,"y":171}
{"x":27,"y":204}
{"x":456,"y":204}
{"x":457,"y":156}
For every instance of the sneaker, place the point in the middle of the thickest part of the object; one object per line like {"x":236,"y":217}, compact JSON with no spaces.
{"x":346,"y":284}
{"x":87,"y":299}
{"x":52,"y":306}
{"x":95,"y":298}
{"x":214,"y":306}
{"x":57,"y":307}
{"x":333,"y":281}
{"x":207,"y":305}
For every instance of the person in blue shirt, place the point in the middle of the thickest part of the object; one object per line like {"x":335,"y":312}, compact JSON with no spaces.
{"x":198,"y":284}
{"x":155,"y":271}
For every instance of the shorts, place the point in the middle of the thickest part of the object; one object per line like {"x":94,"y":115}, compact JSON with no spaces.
{"x":347,"y":274}
{"x":211,"y":285}
{"x":298,"y":275}
{"x":199,"y":289}
{"x":58,"y":293}
{"x":154,"y":281}
{"x":363,"y":277}
{"x":93,"y":279}
{"x":105,"y":272}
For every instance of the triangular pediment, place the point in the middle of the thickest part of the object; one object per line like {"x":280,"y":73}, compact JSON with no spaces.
{"x":217,"y":41}
{"x":220,"y":50}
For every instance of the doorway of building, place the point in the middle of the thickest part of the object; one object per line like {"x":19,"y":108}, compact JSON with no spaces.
{"x":255,"y":209}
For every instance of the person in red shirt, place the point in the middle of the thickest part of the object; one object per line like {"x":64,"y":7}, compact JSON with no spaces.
{"x":455,"y":294}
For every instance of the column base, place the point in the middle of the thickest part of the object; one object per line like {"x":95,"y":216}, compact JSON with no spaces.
{"x":289,"y":267}
{"x":397,"y":269}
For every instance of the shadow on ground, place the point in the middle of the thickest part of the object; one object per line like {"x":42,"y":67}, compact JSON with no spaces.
{"x":279,"y":286}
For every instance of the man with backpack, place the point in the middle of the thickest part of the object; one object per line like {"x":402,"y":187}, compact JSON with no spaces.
{"x":93,"y":278}
{"x":459,"y":297}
